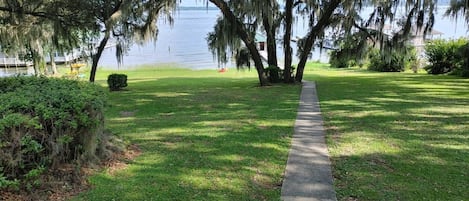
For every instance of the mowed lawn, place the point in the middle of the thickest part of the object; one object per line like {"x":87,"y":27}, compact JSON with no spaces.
{"x":211,"y":136}
{"x":396,"y":136}
{"x":204,"y":135}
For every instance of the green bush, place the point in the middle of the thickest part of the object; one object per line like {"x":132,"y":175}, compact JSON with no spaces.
{"x":117,"y":81}
{"x":338,"y":60}
{"x":274,"y":74}
{"x":465,"y":63}
{"x":47,"y":122}
{"x":352,"y":51}
{"x":345,"y":58}
{"x":391,"y":60}
{"x":446,"y":56}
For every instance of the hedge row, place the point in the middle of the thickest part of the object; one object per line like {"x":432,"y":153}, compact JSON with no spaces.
{"x":448,"y":56}
{"x":388,"y":60}
{"x":47,"y":122}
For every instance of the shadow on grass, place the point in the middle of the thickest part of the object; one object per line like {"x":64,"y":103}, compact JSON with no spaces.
{"x":202,"y":139}
{"x":397,"y":136}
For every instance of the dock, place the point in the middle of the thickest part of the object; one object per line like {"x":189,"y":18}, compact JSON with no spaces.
{"x":13,"y":61}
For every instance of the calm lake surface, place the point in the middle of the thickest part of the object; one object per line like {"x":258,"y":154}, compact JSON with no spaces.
{"x":184,"y":44}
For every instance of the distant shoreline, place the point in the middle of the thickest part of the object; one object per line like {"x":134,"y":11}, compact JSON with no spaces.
{"x":197,"y":8}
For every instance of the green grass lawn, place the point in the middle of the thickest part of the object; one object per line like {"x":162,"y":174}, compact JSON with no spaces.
{"x":204,"y":135}
{"x":212,"y":136}
{"x":396,"y":136}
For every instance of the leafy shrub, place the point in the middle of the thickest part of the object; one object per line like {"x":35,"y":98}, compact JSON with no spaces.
{"x":243,"y":58}
{"x":465,"y":64}
{"x":117,"y":81}
{"x":274,"y":74}
{"x":352,"y":51}
{"x":391,"y":60}
{"x":446,"y":56}
{"x":6,"y":183}
{"x":47,"y":122}
{"x":338,"y":60}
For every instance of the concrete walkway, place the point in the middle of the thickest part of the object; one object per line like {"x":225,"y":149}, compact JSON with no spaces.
{"x":308,"y":173}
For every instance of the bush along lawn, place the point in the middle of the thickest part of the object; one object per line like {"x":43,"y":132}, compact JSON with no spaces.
{"x":396,"y":136}
{"x":47,"y":125}
{"x":204,"y":135}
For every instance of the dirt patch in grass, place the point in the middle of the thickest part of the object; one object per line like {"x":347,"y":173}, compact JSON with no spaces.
{"x":121,"y":161}
{"x":69,"y":180}
{"x":127,"y":113}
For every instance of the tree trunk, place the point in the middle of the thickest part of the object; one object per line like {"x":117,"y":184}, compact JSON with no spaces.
{"x":36,"y":62}
{"x":97,"y":56}
{"x":271,"y":43}
{"x":286,"y":42}
{"x":52,"y":63}
{"x":322,"y":23}
{"x":248,"y":41}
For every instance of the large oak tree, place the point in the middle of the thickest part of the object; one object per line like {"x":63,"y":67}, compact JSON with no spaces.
{"x":324,"y":15}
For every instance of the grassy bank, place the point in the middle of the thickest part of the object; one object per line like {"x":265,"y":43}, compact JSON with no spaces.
{"x":396,"y":136}
{"x":204,"y":135}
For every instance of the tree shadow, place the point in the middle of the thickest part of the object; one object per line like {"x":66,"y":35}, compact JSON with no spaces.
{"x":202,"y":139}
{"x":397,"y":136}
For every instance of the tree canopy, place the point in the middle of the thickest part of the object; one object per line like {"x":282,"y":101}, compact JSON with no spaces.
{"x":34,"y":27}
{"x":126,"y":21}
{"x":325,"y":19}
{"x":459,"y":8}
{"x":37,"y":26}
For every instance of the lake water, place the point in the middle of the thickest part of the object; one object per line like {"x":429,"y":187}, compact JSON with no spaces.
{"x":184,"y":43}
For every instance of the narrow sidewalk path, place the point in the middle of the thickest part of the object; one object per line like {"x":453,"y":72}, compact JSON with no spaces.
{"x":308,"y":174}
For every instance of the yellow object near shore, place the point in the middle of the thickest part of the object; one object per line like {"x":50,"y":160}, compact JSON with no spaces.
{"x":77,"y":65}
{"x":74,"y":68}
